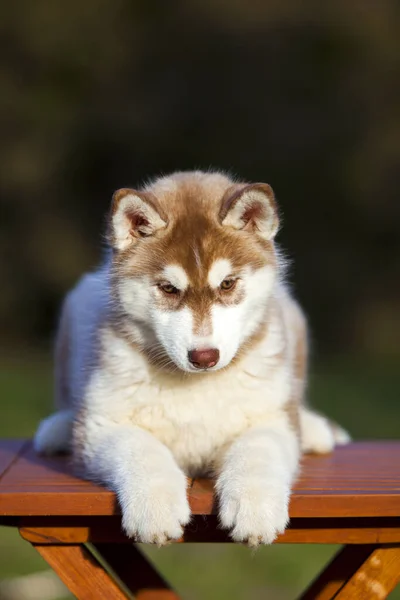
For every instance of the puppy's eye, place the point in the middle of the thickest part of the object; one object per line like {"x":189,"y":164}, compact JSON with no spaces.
{"x":168,"y":288}
{"x":228,"y":284}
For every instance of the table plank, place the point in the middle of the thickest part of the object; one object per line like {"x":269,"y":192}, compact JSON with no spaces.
{"x":37,"y":485}
{"x":107,"y":530}
{"x":358,"y":480}
{"x":9,"y":452}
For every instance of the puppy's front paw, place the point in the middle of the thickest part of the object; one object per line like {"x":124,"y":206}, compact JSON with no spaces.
{"x":256,"y":513}
{"x":156,"y":513}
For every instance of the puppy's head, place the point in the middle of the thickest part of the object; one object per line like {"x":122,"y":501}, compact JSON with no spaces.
{"x":194,"y":265}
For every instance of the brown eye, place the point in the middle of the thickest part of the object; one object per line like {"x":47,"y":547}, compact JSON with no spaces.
{"x":227,"y":284}
{"x":168,"y":288}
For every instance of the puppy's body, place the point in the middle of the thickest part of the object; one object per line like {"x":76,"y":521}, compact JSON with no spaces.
{"x":142,"y":400}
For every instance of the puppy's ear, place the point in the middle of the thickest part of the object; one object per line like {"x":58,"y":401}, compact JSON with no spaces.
{"x":252,"y":208}
{"x":134,"y":215}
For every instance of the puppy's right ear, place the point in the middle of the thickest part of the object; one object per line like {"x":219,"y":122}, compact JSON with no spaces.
{"x":251,"y":208}
{"x":134,"y":215}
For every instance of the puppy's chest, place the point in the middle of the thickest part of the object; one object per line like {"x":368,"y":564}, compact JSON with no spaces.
{"x":201,"y":414}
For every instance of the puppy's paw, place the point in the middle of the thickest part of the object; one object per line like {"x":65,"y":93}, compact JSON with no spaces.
{"x":317,"y":435}
{"x":256,"y":513}
{"x":157,"y":513}
{"x":341,"y":436}
{"x":54,"y":434}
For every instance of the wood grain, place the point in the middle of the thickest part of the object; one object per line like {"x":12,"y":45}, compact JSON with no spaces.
{"x":9,"y":453}
{"x":83,"y":575}
{"x":358,"y":480}
{"x":376,"y":577}
{"x":52,"y":530}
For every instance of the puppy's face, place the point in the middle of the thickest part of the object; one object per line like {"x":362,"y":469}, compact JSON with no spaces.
{"x":194,"y":266}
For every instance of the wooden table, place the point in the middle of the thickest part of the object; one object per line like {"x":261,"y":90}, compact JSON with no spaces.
{"x":350,"y":497}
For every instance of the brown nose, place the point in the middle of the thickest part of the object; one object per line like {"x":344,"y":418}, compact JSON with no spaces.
{"x":204,"y":359}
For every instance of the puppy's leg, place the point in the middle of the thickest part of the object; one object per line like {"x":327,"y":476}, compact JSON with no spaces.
{"x":318,"y":434}
{"x":62,"y":351}
{"x":254,"y":482}
{"x":150,"y":486}
{"x":54,"y":434}
{"x":341,"y":436}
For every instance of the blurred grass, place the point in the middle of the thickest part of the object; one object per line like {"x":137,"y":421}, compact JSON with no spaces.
{"x":361,"y":395}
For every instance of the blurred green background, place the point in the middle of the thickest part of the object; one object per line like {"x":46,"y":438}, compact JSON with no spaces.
{"x":304,"y":95}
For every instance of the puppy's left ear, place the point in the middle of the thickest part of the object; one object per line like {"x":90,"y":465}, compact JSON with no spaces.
{"x":134,"y":215}
{"x":252,"y":208}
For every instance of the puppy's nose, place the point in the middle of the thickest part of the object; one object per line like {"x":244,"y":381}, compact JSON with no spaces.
{"x":204,"y":359}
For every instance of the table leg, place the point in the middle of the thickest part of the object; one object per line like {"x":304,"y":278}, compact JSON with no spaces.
{"x":81,"y":572}
{"x":137,"y":573}
{"x":114,"y":570}
{"x":358,"y":572}
{"x":376,"y":577}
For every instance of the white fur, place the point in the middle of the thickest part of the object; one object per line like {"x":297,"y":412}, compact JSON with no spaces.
{"x":142,"y":429}
{"x":255,"y":481}
{"x":55,"y":433}
{"x":174,"y":329}
{"x":150,"y":486}
{"x":341,"y":436}
{"x":139,"y":421}
{"x":219,"y":271}
{"x":317,"y":434}
{"x":145,"y":428}
{"x":231,"y":325}
{"x":122,"y":225}
{"x":267,"y":225}
{"x":175,"y":275}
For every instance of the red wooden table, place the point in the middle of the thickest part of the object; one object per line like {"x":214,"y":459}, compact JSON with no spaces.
{"x":349,"y":497}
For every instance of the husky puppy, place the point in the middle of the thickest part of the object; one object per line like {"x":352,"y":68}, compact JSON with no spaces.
{"x":185,"y":354}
